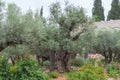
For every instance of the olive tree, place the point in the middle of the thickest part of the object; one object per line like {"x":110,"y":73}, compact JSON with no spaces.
{"x":35,"y":33}
{"x":72,"y":22}
{"x":12,"y":34}
{"x":106,"y":42}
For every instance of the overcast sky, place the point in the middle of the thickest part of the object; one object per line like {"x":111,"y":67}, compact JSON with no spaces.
{"x":36,"y":4}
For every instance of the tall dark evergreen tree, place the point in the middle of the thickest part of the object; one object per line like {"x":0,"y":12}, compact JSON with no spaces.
{"x":98,"y":11}
{"x":114,"y":13}
{"x":41,"y":11}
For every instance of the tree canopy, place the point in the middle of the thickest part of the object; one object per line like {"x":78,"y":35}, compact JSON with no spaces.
{"x":106,"y":42}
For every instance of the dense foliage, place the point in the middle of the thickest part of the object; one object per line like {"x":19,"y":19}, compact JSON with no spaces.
{"x":4,"y":68}
{"x":26,"y":69}
{"x":113,"y":69}
{"x":88,"y":72}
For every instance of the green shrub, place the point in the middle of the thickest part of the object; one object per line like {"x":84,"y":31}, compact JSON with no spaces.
{"x":53,"y":75}
{"x":4,"y":68}
{"x":27,"y":69}
{"x":77,"y":62}
{"x":46,"y":63}
{"x":113,"y":69}
{"x":88,"y":72}
{"x":89,"y":61}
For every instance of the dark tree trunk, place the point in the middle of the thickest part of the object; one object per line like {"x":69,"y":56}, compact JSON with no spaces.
{"x":110,"y":56}
{"x":38,"y":58}
{"x":106,"y":55}
{"x":22,"y":56}
{"x":60,"y":61}
{"x":12,"y":60}
{"x":18,"y":57}
{"x":63,"y":61}
{"x":52,"y":61}
{"x":66,"y":63}
{"x":1,"y":48}
{"x":73,"y":56}
{"x":59,"y":65}
{"x":116,"y":57}
{"x":86,"y":56}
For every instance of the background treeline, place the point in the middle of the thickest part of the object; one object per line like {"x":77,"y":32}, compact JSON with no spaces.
{"x":98,"y":11}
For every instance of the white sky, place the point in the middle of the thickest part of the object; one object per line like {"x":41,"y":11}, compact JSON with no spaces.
{"x":36,"y":4}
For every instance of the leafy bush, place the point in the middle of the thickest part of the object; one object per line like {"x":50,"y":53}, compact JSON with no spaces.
{"x":4,"y":68}
{"x":53,"y":75}
{"x":89,"y":61}
{"x":113,"y":69}
{"x":88,"y":72}
{"x":27,"y":69}
{"x":46,"y":63}
{"x":102,"y":63}
{"x":77,"y":62}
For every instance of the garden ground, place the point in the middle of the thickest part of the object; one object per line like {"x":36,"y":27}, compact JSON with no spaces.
{"x":63,"y":77}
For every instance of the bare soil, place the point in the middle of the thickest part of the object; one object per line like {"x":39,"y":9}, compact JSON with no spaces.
{"x":61,"y":77}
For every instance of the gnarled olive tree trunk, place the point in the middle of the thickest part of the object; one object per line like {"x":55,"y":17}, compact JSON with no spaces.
{"x":60,"y":61}
{"x":52,"y":60}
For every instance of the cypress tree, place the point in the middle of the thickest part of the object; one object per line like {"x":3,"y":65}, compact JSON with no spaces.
{"x":98,"y":11}
{"x":114,"y":13}
{"x":41,"y":11}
